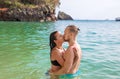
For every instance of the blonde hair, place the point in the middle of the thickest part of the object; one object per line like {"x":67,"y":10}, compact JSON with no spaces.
{"x":73,"y":29}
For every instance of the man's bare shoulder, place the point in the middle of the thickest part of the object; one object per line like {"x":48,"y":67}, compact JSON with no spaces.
{"x":74,"y":47}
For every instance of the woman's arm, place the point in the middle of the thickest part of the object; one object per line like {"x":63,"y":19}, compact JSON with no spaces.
{"x":69,"y":57}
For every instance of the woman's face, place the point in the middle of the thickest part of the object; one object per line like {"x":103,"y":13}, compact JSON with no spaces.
{"x":59,"y":38}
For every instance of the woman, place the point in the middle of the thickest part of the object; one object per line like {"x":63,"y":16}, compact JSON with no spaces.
{"x":56,"y":51}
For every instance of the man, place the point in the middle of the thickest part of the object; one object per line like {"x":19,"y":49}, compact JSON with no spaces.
{"x":73,"y":53}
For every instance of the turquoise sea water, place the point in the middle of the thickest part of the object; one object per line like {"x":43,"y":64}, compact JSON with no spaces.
{"x":24,"y":49}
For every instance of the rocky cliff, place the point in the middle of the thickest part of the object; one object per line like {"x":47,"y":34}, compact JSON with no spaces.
{"x":63,"y":16}
{"x":28,"y":10}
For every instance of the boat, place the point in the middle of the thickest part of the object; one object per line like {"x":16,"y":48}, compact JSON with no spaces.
{"x":117,"y":19}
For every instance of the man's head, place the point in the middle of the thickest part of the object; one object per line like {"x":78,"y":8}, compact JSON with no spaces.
{"x":70,"y":32}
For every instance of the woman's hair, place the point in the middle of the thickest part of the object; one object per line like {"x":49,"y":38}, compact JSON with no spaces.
{"x":52,"y":38}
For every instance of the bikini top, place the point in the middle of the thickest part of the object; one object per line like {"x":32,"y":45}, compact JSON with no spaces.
{"x":55,"y":63}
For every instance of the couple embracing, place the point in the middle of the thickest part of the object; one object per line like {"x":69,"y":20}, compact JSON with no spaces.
{"x":65,"y":63}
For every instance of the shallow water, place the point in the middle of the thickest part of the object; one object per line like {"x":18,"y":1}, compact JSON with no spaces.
{"x":24,"y":49}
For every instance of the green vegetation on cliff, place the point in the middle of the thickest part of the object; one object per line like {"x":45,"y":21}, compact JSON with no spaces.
{"x":28,"y":3}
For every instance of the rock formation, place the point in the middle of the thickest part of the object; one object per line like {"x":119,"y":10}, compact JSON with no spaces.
{"x":28,"y":10}
{"x":28,"y":14}
{"x":63,"y":16}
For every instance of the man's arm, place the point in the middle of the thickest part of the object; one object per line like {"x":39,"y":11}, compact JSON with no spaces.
{"x":69,"y":57}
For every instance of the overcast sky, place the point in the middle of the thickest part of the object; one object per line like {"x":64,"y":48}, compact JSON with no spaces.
{"x":91,"y":9}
